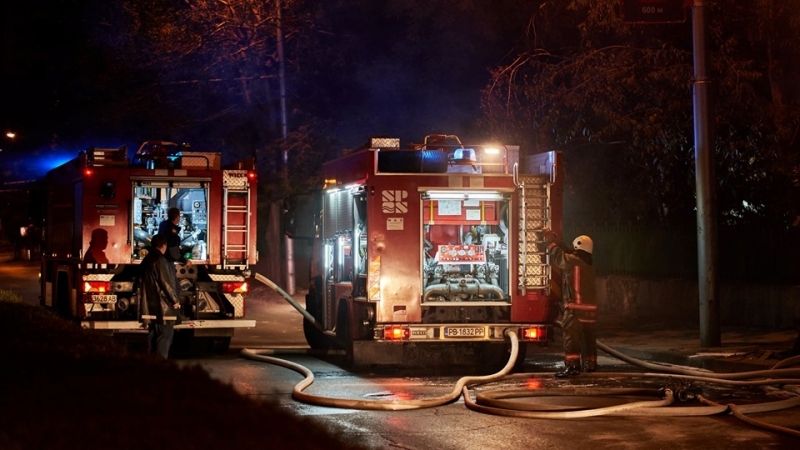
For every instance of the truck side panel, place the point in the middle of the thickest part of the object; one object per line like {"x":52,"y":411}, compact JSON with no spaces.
{"x":106,"y":214}
{"x":394,"y":207}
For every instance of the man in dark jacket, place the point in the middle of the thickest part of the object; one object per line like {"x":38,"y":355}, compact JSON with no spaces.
{"x":579,"y":302}
{"x":160,"y":302}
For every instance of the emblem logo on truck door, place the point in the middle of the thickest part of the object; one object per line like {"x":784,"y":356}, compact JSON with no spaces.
{"x":394,"y":202}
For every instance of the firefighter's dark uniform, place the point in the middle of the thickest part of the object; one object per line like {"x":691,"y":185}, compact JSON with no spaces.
{"x":579,"y":307}
{"x":158,"y":298}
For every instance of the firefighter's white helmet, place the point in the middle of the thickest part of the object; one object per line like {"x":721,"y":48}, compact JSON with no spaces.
{"x":584,"y":243}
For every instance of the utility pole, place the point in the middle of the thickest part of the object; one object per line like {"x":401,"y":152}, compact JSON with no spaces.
{"x":707,"y":283}
{"x":288,"y":242}
{"x":674,"y":11}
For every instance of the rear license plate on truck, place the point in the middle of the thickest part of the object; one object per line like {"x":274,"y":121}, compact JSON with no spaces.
{"x":96,"y":298}
{"x":464,"y":332}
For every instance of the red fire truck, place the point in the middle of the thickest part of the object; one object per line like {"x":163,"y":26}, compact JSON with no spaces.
{"x":104,"y":207}
{"x":435,"y":244}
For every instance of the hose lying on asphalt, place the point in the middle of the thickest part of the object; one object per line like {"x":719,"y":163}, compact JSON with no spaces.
{"x":739,"y":411}
{"x":504,"y":409}
{"x":461,"y":388}
{"x":498,"y":403}
{"x":771,"y":373}
{"x":388,"y":405}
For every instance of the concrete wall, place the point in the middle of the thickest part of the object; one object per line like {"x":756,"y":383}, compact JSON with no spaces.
{"x":740,"y":304}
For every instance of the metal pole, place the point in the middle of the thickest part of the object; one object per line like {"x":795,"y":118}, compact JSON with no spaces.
{"x":288,"y":242}
{"x":708,"y":290}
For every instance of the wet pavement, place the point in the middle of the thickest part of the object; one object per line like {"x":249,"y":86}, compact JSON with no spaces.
{"x":675,"y":342}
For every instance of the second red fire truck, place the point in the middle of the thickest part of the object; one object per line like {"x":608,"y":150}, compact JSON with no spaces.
{"x":103,"y":207}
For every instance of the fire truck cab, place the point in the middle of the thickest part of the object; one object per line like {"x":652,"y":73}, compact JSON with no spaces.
{"x":435,"y":244}
{"x":104,"y":207}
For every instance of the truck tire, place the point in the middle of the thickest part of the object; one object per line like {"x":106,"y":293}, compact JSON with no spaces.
{"x":316,"y":340}
{"x":494,"y":356}
{"x":62,"y":296}
{"x":344,"y":330}
{"x":219,"y":345}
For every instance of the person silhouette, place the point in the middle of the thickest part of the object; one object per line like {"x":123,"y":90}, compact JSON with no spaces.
{"x":96,"y":253}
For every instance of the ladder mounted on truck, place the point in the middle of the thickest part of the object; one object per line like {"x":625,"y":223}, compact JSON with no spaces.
{"x":534,"y":215}
{"x":236,"y":235}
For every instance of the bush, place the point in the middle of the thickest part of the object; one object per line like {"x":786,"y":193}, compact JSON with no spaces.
{"x":8,"y":296}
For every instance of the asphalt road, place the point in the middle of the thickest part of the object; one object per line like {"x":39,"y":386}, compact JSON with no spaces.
{"x":451,"y":425}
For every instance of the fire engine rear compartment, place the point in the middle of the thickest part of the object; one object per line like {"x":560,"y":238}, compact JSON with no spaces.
{"x":446,"y":258}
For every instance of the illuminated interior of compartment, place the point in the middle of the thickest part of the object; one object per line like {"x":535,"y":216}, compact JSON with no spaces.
{"x":465,"y":250}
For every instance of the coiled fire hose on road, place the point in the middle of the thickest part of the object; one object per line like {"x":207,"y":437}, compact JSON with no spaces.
{"x":388,"y":405}
{"x":500,"y":402}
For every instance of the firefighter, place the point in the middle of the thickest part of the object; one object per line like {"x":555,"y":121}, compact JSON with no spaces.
{"x":171,"y":229}
{"x":160,"y":300}
{"x":578,"y":302}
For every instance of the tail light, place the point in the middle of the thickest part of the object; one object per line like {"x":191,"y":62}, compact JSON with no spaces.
{"x":235,"y":287}
{"x":533,"y":333}
{"x":396,"y":333}
{"x":97,"y":287}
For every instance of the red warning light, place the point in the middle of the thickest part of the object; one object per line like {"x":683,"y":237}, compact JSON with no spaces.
{"x":96,"y":286}
{"x":396,"y":332}
{"x":534,"y":333}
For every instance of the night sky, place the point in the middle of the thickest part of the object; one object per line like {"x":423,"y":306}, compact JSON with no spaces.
{"x":406,"y":69}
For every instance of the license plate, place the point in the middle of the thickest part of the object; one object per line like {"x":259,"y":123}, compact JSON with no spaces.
{"x":97,"y":298}
{"x":465,"y":332}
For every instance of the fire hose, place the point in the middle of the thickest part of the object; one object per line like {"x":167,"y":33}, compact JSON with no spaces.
{"x":501,"y":402}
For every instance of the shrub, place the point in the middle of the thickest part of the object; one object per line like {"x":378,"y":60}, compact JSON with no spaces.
{"x":8,"y":296}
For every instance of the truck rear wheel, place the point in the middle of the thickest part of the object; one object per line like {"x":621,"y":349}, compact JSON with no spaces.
{"x":494,"y":356}
{"x":219,"y":345}
{"x":344,"y":330}
{"x":315,"y":338}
